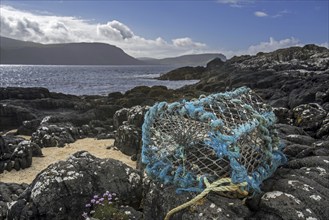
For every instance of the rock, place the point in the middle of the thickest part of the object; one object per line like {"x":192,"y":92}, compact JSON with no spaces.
{"x":9,"y":193}
{"x":287,"y":129}
{"x":62,"y":190}
{"x":294,"y":149}
{"x":3,"y":147}
{"x":129,"y":133}
{"x":323,"y":131}
{"x":23,"y":93}
{"x":300,"y":189}
{"x":28,"y":127}
{"x":160,"y":93}
{"x":114,"y":95}
{"x":55,"y":135}
{"x":136,"y":115}
{"x":12,"y":117}
{"x":128,"y":139}
{"x":104,"y":112}
{"x":184,"y":73}
{"x":300,"y":139}
{"x":161,"y":199}
{"x":283,"y":206}
{"x":15,"y":154}
{"x":215,"y":64}
{"x":305,"y":182}
{"x":119,"y":117}
{"x":309,"y":116}
{"x":143,"y":95}
{"x":283,"y":115}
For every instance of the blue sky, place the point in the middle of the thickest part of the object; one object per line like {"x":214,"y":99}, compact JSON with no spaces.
{"x":171,"y":28}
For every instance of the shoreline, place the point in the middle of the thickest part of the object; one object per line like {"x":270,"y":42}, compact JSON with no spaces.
{"x":55,"y":154}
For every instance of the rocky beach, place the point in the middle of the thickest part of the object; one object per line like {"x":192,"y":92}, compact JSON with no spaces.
{"x":93,"y":143}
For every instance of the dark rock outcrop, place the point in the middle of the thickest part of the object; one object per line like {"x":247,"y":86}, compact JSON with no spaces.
{"x":9,"y":193}
{"x":184,"y":73}
{"x":160,"y":199}
{"x":55,"y":135}
{"x":129,"y":133}
{"x":62,"y":190}
{"x":16,"y":153}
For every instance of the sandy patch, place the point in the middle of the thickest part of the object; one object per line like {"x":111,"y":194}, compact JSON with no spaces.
{"x":54,"y":154}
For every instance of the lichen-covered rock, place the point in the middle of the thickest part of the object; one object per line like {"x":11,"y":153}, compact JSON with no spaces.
{"x":62,"y":190}
{"x":128,"y":139}
{"x":15,"y":154}
{"x":9,"y":193}
{"x":129,"y":133}
{"x":309,"y":116}
{"x":299,"y":189}
{"x":283,"y":206}
{"x":134,"y":116}
{"x":119,"y":117}
{"x":55,"y":135}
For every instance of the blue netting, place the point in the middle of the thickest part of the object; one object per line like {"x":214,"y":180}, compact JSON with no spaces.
{"x":227,"y":134}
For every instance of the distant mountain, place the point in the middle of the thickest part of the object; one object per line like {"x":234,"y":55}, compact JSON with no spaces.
{"x":21,"y":52}
{"x":186,"y":60}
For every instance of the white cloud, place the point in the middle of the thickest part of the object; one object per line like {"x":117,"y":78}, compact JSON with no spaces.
{"x":272,"y":45}
{"x":260,"y":14}
{"x":186,"y":42}
{"x":281,"y":13}
{"x":267,"y":46}
{"x":236,"y":3}
{"x":115,"y":29}
{"x":325,"y":44}
{"x":45,"y":28}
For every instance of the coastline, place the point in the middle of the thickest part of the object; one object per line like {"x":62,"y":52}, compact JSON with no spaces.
{"x":95,"y":147}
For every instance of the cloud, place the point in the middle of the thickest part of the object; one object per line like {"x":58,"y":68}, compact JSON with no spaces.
{"x":236,"y":3}
{"x":267,"y":46}
{"x":281,"y":13}
{"x":186,"y":42}
{"x":260,"y":14}
{"x":115,"y":29}
{"x":45,"y":28}
{"x":325,"y":44}
{"x":272,"y":45}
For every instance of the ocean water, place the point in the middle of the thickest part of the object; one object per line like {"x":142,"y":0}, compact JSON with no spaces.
{"x":85,"y":80}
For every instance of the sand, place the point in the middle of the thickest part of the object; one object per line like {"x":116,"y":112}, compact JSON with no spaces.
{"x":53,"y":154}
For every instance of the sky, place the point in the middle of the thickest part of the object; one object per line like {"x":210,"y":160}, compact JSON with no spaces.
{"x":159,"y":29}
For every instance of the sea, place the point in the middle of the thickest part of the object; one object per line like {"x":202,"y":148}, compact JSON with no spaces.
{"x":86,"y":80}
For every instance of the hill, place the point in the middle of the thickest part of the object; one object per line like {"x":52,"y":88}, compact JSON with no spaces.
{"x":186,"y":60}
{"x":21,"y":52}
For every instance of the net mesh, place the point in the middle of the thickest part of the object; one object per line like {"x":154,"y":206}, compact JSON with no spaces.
{"x":227,"y":134}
